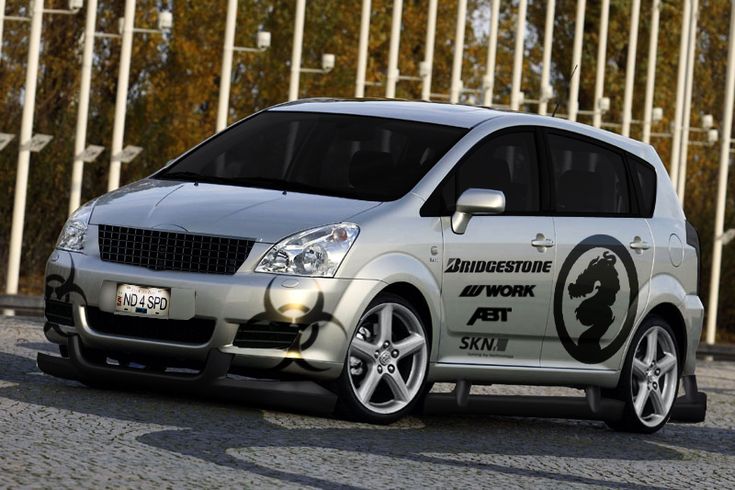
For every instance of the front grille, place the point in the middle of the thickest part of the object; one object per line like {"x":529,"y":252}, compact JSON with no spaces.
{"x":172,"y":251}
{"x":194,"y":331}
{"x":59,"y":312}
{"x":272,"y":335}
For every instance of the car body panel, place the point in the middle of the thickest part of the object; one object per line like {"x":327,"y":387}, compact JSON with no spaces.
{"x":495,"y":317}
{"x":602,"y":262}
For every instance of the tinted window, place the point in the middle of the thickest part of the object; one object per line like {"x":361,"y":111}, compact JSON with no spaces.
{"x":505,"y":163}
{"x":587,"y":178}
{"x":331,"y":154}
{"x":645,"y":177}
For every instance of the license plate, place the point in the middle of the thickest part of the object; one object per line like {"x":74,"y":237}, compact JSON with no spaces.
{"x":142,"y":301}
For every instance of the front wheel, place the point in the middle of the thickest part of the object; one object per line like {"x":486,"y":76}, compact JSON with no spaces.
{"x":650,"y":378}
{"x":387,"y":360}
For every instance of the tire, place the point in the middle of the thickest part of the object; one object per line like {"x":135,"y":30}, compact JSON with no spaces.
{"x":656,"y":372}
{"x":386,"y":363}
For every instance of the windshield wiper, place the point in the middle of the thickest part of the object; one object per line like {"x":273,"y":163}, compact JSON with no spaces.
{"x":278,"y":184}
{"x":264,"y":182}
{"x":193,"y":177}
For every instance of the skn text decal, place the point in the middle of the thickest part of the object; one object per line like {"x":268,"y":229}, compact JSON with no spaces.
{"x":487,"y":344}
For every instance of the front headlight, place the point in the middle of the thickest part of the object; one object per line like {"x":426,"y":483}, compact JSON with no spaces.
{"x":317,"y":252}
{"x":75,"y":229}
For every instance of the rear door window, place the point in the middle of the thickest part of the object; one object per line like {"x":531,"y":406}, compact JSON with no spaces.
{"x":587,"y":179}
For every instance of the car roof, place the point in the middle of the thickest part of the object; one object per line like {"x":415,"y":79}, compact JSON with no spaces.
{"x":463,"y":116}
{"x":458,"y":115}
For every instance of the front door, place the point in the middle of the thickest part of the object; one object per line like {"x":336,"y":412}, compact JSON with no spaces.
{"x":496,"y":283}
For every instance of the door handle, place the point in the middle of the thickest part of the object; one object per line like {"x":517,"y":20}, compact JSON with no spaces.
{"x":541,"y":242}
{"x":638,"y":244}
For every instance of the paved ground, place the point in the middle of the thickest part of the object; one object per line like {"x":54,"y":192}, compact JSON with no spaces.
{"x":57,"y":433}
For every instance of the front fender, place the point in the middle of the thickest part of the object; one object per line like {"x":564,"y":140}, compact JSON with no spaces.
{"x":396,"y":268}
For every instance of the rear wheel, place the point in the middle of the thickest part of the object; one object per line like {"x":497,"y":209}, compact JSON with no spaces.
{"x":387,"y":360}
{"x":650,"y":379}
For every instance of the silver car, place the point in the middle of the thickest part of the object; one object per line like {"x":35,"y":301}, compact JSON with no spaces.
{"x":363,"y":250}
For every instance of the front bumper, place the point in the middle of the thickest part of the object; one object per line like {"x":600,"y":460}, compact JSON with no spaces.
{"x":324,"y":310}
{"x":212,"y":380}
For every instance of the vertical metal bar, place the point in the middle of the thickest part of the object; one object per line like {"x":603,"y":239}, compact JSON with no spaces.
{"x":2,"y":24}
{"x":456,"y":85}
{"x":118,"y":129}
{"x":223,"y":106}
{"x":601,"y":63}
{"x":298,"y":41}
{"x":362,"y":50}
{"x":630,"y":68}
{"x":576,"y":61}
{"x":686,"y":119}
{"x":680,"y":85}
{"x":24,"y":155}
{"x":395,"y":43}
{"x":518,"y":50}
{"x":488,"y":83}
{"x":714,"y":287}
{"x":651,"y":75}
{"x":80,"y":141}
{"x":429,"y":57}
{"x":546,"y":63}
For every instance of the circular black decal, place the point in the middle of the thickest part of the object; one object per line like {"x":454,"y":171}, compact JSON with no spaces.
{"x":599,"y":285}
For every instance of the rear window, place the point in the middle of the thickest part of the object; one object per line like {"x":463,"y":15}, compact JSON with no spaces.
{"x":645,"y":177}
{"x":588,"y":179}
{"x":342,"y":155}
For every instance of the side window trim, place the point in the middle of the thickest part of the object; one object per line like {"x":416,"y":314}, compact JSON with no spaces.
{"x":632,"y":202}
{"x":542,"y":182}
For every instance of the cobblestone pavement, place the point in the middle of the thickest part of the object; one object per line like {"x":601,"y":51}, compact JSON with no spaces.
{"x":60,"y":433}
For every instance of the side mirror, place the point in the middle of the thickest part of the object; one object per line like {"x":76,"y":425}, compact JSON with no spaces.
{"x":476,"y":201}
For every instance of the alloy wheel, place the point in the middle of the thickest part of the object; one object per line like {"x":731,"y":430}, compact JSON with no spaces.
{"x":387,"y":358}
{"x":654,"y":376}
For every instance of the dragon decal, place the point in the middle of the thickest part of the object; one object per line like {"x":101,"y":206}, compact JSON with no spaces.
{"x":609,"y":274}
{"x":309,"y":324}
{"x":600,"y":278}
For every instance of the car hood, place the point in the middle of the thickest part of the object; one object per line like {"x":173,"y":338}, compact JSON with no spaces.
{"x":262,"y":214}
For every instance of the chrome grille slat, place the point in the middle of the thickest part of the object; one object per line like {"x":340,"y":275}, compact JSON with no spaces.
{"x":172,"y":251}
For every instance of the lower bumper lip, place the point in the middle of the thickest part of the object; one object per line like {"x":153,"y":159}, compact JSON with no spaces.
{"x":211,"y":381}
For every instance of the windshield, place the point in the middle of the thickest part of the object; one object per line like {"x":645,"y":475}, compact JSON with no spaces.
{"x":351,"y":156}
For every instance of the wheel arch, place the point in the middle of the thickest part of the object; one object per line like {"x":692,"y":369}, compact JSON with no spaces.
{"x":406,"y":276}
{"x":675,"y":319}
{"x":413,"y":295}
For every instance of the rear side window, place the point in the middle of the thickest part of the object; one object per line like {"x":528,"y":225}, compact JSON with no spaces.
{"x":645,"y":177}
{"x":588,"y":179}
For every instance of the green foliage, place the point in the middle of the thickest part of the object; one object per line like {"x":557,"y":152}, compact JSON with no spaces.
{"x":174,"y":85}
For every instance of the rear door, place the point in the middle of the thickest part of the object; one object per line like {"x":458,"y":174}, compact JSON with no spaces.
{"x":496,"y":283}
{"x":604,"y":252}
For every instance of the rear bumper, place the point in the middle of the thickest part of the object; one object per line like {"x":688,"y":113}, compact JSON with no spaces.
{"x":211,"y":381}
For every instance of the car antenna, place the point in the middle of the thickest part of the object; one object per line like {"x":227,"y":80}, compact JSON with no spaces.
{"x":553,"y":114}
